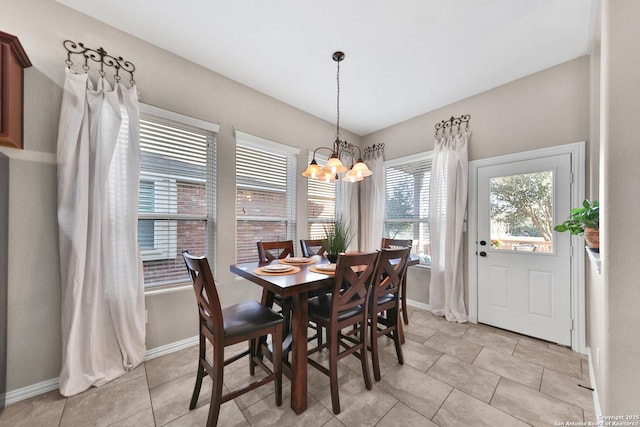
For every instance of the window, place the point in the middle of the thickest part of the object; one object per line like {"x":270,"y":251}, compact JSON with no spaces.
{"x":321,"y":203}
{"x":406,"y":216}
{"x":265,"y":193}
{"x":176,"y":204}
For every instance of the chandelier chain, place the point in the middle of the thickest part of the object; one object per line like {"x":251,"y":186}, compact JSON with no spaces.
{"x":338,"y":102}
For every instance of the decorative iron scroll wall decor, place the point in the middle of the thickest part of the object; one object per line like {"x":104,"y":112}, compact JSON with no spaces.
{"x":99,"y":56}
{"x":447,"y":125}
{"x":373,"y":151}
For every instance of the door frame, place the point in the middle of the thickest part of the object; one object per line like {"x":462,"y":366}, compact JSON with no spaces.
{"x":578,"y":309}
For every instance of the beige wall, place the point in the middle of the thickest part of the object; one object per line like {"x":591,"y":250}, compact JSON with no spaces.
{"x":163,"y":80}
{"x":619,"y":180}
{"x":542,"y":110}
{"x":4,"y":259}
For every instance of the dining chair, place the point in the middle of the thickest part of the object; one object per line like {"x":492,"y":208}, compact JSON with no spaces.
{"x":267,"y":252}
{"x":222,"y":327}
{"x":346,"y":307}
{"x":395,"y":244}
{"x":311,"y":247}
{"x":384,"y":313}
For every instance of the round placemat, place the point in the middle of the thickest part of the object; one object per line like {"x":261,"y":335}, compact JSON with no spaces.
{"x":308,"y":261}
{"x":261,"y":272}
{"x":316,"y":270}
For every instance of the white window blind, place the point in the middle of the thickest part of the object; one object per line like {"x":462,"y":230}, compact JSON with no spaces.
{"x":407,"y":183}
{"x":176,"y":208}
{"x":265,"y":194}
{"x":321,"y":203}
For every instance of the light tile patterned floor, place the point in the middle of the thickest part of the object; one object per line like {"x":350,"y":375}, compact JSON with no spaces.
{"x":454,"y":375}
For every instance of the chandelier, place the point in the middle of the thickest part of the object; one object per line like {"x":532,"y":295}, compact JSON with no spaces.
{"x":341,"y":149}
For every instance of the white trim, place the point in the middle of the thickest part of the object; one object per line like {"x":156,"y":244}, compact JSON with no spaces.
{"x":32,"y":390}
{"x":592,"y":381}
{"x":54,"y":383}
{"x":167,"y":289}
{"x":418,"y":304}
{"x":177,"y":117}
{"x":263,"y":144}
{"x":577,"y":151}
{"x":170,"y":348}
{"x":426,"y":155}
{"x":29,"y":155}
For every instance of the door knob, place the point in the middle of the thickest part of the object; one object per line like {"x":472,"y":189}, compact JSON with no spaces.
{"x":483,"y":253}
{"x":483,"y":243}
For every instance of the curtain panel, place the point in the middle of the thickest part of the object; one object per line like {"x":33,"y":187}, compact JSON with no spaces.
{"x":102,"y":298}
{"x":373,"y":199}
{"x":448,"y":204}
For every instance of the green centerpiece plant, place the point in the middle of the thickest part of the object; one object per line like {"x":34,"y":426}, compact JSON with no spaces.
{"x":337,"y":238}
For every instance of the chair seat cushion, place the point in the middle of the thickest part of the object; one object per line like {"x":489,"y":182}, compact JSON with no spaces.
{"x":320,"y":308}
{"x":383,"y":299}
{"x":247,"y":317}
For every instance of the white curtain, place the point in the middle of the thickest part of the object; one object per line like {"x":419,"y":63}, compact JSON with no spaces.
{"x":372,"y":199}
{"x":447,"y":206}
{"x":102,"y":301}
{"x":349,"y":210}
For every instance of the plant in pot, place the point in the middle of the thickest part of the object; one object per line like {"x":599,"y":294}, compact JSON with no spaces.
{"x":584,"y":220}
{"x":337,"y":239}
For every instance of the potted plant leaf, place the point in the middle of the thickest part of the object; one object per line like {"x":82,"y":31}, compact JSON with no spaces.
{"x":584,"y":220}
{"x":337,"y":238}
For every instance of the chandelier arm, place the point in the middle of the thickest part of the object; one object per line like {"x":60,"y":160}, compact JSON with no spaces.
{"x":321,"y":148}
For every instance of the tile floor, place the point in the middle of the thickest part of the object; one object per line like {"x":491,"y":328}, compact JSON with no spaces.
{"x":454,"y":375}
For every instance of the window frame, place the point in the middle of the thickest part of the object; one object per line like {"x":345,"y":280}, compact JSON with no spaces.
{"x":268,"y":147}
{"x":166,"y":217}
{"x":400,"y":161}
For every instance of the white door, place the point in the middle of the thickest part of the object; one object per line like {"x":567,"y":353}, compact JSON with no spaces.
{"x":524,"y":267}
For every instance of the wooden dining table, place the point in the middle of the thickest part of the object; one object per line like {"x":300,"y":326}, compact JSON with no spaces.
{"x":297,"y":286}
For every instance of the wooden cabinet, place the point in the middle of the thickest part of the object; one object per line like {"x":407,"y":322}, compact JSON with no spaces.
{"x":13,"y":61}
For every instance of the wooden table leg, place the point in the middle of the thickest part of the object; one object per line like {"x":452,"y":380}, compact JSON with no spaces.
{"x":299,"y":353}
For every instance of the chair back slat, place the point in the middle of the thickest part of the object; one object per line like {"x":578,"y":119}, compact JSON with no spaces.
{"x":392,"y":267}
{"x":311,"y":247}
{"x":395,"y":243}
{"x":353,"y":277}
{"x":207,"y":297}
{"x":268,"y":251}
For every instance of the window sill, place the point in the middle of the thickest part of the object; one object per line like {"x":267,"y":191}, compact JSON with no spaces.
{"x":167,"y":289}
{"x":594,"y":257}
{"x":423,"y":266}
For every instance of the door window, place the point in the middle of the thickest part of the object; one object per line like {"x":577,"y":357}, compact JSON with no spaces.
{"x":521,"y":212}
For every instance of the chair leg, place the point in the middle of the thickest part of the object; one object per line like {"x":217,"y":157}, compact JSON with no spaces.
{"x":202,"y":352}
{"x":332,"y":336}
{"x":277,"y":362}
{"x":197,"y":387}
{"x":396,"y":335}
{"x":216,"y":390}
{"x":374,"y":346}
{"x":405,"y":314}
{"x":364,"y":357}
{"x":253,"y":352}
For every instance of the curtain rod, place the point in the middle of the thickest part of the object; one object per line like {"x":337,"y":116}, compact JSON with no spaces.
{"x":98,"y":56}
{"x":453,"y":121}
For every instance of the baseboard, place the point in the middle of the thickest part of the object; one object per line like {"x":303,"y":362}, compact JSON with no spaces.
{"x":418,"y":304}
{"x":592,"y":378}
{"x":32,"y":390}
{"x":53,"y":384}
{"x":170,"y":348}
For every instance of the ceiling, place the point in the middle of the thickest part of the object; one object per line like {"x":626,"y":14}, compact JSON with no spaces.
{"x":403,"y":58}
